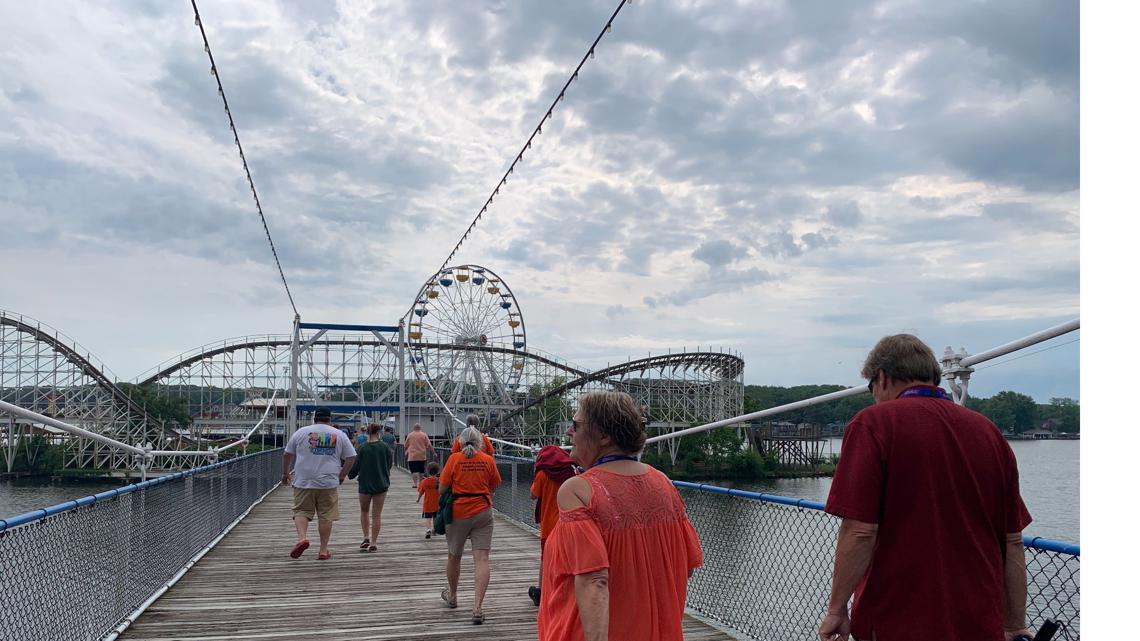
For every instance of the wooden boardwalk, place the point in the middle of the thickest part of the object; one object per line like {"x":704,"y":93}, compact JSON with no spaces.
{"x":248,"y":588}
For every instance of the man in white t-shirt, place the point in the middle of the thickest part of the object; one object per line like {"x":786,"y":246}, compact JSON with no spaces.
{"x":416,"y":446}
{"x":319,"y":457}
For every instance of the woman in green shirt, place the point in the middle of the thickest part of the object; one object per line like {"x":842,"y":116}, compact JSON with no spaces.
{"x":373,"y":461}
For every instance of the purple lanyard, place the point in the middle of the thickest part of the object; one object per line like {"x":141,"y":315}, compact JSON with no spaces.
{"x":613,"y":457}
{"x":933,"y":392}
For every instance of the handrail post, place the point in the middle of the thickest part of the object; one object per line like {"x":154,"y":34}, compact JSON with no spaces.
{"x":144,"y":460}
{"x":956,"y":374}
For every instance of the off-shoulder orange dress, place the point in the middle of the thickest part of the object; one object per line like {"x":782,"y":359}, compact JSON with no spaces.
{"x":637,"y":527}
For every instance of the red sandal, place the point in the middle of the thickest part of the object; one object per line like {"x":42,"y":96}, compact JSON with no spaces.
{"x":324,"y":556}
{"x":299,"y":549}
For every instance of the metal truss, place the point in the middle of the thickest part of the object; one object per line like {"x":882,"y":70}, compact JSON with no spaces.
{"x":44,"y":371}
{"x":228,"y":385}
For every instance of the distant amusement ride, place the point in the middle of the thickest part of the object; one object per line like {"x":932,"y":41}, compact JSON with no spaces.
{"x":461,"y":348}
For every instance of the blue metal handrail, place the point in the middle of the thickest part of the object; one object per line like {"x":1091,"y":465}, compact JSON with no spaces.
{"x":36,"y":515}
{"x":1031,"y":542}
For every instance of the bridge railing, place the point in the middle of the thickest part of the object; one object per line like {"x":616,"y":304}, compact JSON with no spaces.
{"x":768,"y":559}
{"x":86,"y":568}
{"x":768,"y":563}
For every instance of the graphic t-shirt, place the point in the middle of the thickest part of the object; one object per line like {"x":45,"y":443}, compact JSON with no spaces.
{"x":320,"y":450}
{"x":429,"y":488}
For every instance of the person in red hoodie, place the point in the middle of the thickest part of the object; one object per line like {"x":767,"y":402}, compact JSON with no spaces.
{"x":552,"y":466}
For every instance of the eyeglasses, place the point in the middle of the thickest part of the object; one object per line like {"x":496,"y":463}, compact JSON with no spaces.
{"x":871,"y":386}
{"x":574,"y":426}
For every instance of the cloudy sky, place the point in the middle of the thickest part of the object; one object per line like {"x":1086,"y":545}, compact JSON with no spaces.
{"x":791,"y":180}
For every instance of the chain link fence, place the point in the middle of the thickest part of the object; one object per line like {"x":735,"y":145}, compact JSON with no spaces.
{"x":79,"y":569}
{"x":768,"y":563}
{"x":768,"y":559}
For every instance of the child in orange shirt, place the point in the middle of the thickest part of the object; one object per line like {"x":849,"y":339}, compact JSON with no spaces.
{"x":429,"y":492}
{"x":552,"y":467}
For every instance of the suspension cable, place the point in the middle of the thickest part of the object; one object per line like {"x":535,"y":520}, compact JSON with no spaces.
{"x":241,"y":152}
{"x":537,"y":131}
{"x":1016,"y":358}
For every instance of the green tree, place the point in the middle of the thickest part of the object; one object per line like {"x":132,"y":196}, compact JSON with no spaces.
{"x":1011,"y":411}
{"x":543,"y":418}
{"x":161,"y":406}
{"x":1065,"y":411}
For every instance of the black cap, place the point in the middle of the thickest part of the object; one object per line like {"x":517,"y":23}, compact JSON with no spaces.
{"x":322,"y":414}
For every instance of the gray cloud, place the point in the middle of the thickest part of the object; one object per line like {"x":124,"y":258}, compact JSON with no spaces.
{"x":719,"y":253}
{"x":704,"y":148}
{"x":844,"y":214}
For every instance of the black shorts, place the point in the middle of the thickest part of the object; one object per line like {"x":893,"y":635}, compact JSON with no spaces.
{"x":429,"y":515}
{"x":416,"y":467}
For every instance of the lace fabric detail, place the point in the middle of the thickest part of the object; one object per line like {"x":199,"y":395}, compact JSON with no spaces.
{"x":620,"y":502}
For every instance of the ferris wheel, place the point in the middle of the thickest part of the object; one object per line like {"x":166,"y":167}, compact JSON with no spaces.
{"x":467,"y":338}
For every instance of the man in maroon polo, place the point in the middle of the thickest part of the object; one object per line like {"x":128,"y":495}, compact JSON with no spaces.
{"x":930,"y":540}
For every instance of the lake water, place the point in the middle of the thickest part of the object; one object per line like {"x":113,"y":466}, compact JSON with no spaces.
{"x":1050,"y":486}
{"x":24,"y":495}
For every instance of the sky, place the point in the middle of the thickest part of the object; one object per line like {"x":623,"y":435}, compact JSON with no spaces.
{"x":788,"y":180}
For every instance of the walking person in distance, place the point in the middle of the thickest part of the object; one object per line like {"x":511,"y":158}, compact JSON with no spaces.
{"x":373,"y":465}
{"x":471,"y":476}
{"x":417,"y":445}
{"x":429,"y":492}
{"x":317,"y":458}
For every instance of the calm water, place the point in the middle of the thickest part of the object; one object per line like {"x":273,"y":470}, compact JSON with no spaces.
{"x":24,"y":495}
{"x":1050,"y":486}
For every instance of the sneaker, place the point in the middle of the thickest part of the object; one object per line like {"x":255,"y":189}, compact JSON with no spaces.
{"x":535,"y":594}
{"x":428,"y":535}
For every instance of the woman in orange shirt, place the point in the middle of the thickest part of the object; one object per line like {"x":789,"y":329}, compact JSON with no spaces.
{"x":618,"y":564}
{"x":471,"y":476}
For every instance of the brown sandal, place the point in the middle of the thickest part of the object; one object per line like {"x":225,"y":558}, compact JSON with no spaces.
{"x":446,"y":595}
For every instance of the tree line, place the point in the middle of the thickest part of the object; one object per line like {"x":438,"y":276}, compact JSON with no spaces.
{"x":1013,"y":412}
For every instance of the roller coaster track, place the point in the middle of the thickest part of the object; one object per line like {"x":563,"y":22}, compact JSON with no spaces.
{"x":86,"y":366}
{"x":285,"y":342}
{"x":728,"y":365}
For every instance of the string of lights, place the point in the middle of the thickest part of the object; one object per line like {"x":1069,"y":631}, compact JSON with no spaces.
{"x":241,"y":152}
{"x":537,"y":131}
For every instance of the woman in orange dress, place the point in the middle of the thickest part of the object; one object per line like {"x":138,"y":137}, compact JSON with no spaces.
{"x":617,"y":565}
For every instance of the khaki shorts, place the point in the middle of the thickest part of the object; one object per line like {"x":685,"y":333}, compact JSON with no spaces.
{"x":478,"y":528}
{"x":310,"y":502}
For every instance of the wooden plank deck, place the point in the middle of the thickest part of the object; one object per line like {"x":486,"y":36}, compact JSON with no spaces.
{"x":248,"y":588}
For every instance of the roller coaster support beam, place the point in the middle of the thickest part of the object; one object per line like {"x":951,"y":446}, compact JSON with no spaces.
{"x":294,"y":375}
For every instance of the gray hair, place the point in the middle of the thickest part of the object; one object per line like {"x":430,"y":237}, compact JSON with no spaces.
{"x":904,"y":358}
{"x":471,"y":440}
